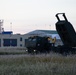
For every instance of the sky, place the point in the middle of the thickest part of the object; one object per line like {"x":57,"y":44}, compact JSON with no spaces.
{"x":23,"y":16}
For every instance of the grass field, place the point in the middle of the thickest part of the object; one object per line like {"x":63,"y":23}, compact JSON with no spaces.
{"x":45,"y":64}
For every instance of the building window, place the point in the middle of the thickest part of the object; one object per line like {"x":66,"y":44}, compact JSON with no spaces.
{"x":13,"y":42}
{"x":20,"y":45}
{"x":21,"y":39}
{"x":9,"y":42}
{"x":6,"y":42}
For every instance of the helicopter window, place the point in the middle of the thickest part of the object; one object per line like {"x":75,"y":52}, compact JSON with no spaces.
{"x":34,"y":39}
{"x":30,"y":39}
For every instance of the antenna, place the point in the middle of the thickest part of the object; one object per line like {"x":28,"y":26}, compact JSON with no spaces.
{"x":10,"y":26}
{"x":1,"y":26}
{"x":50,"y":26}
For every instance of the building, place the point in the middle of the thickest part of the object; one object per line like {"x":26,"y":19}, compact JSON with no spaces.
{"x":9,"y":40}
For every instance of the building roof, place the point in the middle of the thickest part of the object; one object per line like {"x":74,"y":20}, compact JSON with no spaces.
{"x":50,"y":33}
{"x":43,"y":31}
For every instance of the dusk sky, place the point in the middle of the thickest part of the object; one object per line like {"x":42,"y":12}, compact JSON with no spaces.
{"x":22,"y":16}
